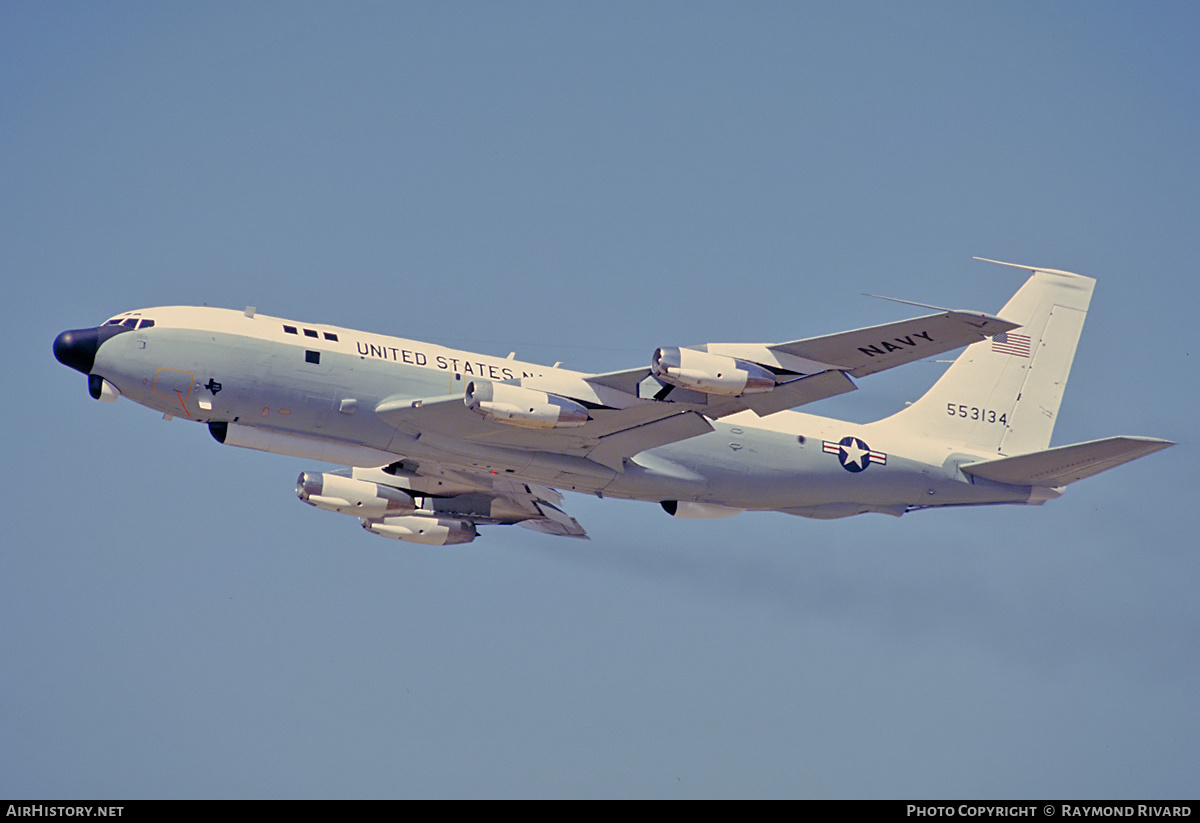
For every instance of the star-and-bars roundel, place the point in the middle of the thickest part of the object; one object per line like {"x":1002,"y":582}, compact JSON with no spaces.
{"x":854,"y":454}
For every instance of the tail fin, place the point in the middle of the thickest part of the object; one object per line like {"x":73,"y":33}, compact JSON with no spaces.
{"x":1001,"y":396}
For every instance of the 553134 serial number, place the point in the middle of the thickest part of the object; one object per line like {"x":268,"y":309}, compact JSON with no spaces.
{"x":976,"y":413}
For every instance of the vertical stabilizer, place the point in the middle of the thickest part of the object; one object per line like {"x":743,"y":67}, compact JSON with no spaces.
{"x":1001,"y":396}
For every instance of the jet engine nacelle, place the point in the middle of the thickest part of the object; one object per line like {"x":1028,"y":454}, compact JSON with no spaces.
{"x":710,"y":373}
{"x":519,"y":406}
{"x":335,"y":493}
{"x":432,"y":531}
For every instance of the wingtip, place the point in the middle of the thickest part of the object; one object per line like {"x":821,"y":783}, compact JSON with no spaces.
{"x":1156,"y":442}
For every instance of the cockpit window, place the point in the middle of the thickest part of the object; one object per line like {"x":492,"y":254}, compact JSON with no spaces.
{"x":145,"y":324}
{"x":116,"y":321}
{"x":130,"y":323}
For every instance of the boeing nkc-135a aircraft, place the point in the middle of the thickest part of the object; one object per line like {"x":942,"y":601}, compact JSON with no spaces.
{"x":437,"y":442}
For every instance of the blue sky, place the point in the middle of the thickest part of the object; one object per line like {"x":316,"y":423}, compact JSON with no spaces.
{"x":584,"y":183}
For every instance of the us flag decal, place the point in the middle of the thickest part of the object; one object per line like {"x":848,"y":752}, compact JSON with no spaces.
{"x":1011,"y":343}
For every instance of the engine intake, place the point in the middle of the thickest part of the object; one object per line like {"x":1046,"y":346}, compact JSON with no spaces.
{"x":335,"y":493}
{"x":519,"y":406}
{"x":710,"y":373}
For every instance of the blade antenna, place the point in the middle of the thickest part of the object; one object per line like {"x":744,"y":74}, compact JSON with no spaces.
{"x":906,"y":302}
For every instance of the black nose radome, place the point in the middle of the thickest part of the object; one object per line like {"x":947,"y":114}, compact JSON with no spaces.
{"x":77,"y":348}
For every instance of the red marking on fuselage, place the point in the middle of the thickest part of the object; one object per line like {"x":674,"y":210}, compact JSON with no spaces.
{"x":185,"y":409}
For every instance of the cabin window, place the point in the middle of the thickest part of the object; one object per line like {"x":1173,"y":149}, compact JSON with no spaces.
{"x":290,"y":330}
{"x":331,"y":336}
{"x":310,"y":332}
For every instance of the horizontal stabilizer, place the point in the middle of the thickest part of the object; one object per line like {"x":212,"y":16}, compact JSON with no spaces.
{"x":1065,"y":464}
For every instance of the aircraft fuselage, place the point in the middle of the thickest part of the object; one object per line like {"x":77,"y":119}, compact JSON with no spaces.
{"x":322,"y":384}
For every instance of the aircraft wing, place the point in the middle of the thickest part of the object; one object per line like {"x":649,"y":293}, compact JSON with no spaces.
{"x":482,"y":499}
{"x":612,"y":433}
{"x":619,"y":414}
{"x":868,"y":350}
